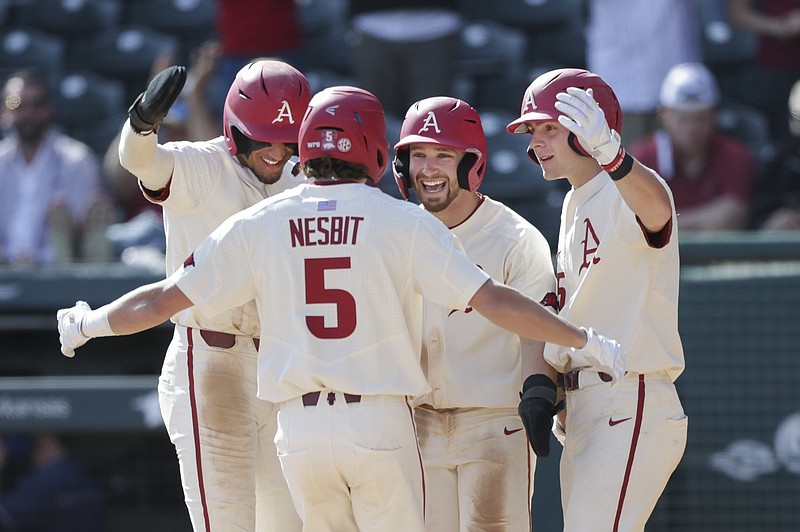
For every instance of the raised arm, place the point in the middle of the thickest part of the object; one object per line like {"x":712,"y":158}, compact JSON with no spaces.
{"x":139,"y":151}
{"x":639,"y":186}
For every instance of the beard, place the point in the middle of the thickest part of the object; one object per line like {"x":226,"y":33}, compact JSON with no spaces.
{"x":436,"y":205}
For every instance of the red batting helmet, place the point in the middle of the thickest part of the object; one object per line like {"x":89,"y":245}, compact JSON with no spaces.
{"x":346,"y":123}
{"x":265,"y":103}
{"x":447,"y":122}
{"x":538,"y":103}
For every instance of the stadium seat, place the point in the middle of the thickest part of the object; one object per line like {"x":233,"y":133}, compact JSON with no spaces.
{"x":743,"y":122}
{"x":510,"y":174}
{"x":321,"y":79}
{"x":31,"y":48}
{"x":193,"y":22}
{"x":70,"y":18}
{"x":565,"y":45}
{"x":332,"y":51}
{"x":722,"y":44}
{"x":317,"y":17}
{"x":83,"y":98}
{"x":524,"y":13}
{"x":749,"y":125}
{"x":488,"y":48}
{"x":98,"y":135}
{"x":125,"y":53}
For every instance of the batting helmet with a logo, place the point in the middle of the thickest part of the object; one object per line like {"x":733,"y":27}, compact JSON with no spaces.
{"x":447,"y":122}
{"x":265,"y":103}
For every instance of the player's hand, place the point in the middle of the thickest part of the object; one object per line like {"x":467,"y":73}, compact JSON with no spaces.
{"x":601,"y":354}
{"x":537,"y":408}
{"x":559,"y":431}
{"x":584,"y":117}
{"x":69,"y":328}
{"x":152,"y":105}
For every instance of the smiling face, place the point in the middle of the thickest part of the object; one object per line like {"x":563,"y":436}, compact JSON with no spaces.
{"x":550,"y":142}
{"x":267,"y":163}
{"x":434,"y":176}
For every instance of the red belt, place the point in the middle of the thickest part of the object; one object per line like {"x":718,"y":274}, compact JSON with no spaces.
{"x":222,"y":340}
{"x":312,"y":398}
{"x":571,"y":379}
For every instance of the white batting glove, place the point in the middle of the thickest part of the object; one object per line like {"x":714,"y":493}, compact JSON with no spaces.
{"x":584,"y":117}
{"x":558,"y":431}
{"x":69,"y":327}
{"x":601,"y":354}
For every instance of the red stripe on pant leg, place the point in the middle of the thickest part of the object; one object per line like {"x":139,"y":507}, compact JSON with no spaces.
{"x":421,"y":465}
{"x":196,"y":427}
{"x":634,"y":441}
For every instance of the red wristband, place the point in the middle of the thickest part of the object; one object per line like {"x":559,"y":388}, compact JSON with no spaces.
{"x":620,"y":166}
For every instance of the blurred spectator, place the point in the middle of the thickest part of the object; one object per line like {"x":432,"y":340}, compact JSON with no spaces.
{"x":190,"y":118}
{"x":253,"y":28}
{"x":53,"y":493}
{"x":776,"y":23}
{"x":632,"y":45}
{"x":709,"y":173}
{"x":405,"y":50}
{"x":52,"y":208}
{"x":777,"y":200}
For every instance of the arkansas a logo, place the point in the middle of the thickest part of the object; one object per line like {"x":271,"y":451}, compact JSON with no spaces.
{"x":529,"y":104}
{"x":590,"y":244}
{"x":189,"y":261}
{"x":285,"y":111}
{"x":429,"y":122}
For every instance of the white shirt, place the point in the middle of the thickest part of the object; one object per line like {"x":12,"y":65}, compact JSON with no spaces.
{"x":609,"y":278}
{"x":469,"y":361}
{"x":632,"y":44}
{"x":63,"y":170}
{"x":208,"y":185}
{"x":338,"y":272}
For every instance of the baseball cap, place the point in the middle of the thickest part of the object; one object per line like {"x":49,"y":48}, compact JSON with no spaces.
{"x":689,"y":87}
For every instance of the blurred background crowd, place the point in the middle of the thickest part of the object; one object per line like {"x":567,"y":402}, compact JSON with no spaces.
{"x":709,"y":91}
{"x":724,"y":131}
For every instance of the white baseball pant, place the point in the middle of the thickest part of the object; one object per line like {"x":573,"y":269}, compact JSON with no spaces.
{"x":622,"y":445}
{"x":478,"y":469}
{"x":352,"y":462}
{"x":223,"y":435}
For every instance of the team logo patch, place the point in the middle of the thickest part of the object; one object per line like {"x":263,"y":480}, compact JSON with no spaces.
{"x":529,"y":104}
{"x":344,"y":145}
{"x":430,"y":122}
{"x":189,"y":261}
{"x":285,"y":111}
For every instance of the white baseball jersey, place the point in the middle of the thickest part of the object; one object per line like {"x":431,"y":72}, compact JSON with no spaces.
{"x":622,"y":443}
{"x":610,"y":278}
{"x":208,"y":185}
{"x":469,"y":361}
{"x":339,"y":271}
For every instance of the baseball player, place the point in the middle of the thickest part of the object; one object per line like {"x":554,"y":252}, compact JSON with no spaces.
{"x":340,"y":308}
{"x":207,"y":390}
{"x":617,"y":269}
{"x":473,"y":445}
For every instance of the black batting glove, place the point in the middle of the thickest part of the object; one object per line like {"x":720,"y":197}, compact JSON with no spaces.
{"x":537,"y":408}
{"x":152,"y":105}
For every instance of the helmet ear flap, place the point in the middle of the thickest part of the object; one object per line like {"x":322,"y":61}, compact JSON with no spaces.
{"x":573,"y":142}
{"x":532,"y":156}
{"x":464,"y":167}
{"x":400,"y":166}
